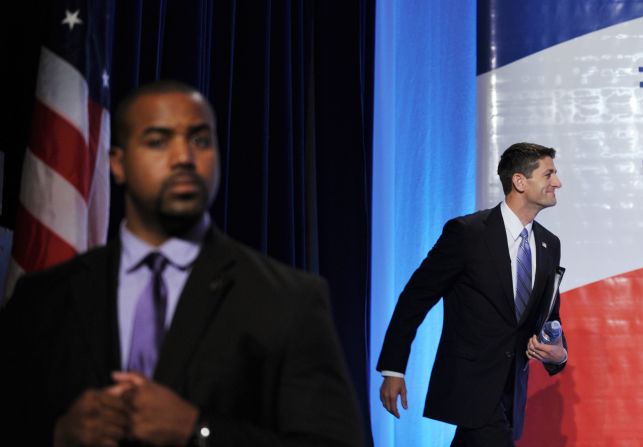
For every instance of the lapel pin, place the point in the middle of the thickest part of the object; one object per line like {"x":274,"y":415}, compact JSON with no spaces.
{"x":544,"y":244}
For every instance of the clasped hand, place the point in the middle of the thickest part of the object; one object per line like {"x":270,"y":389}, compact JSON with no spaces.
{"x":133,"y":408}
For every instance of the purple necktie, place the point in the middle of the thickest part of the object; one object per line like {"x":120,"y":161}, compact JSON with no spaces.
{"x":149,"y":320}
{"x":523,"y":274}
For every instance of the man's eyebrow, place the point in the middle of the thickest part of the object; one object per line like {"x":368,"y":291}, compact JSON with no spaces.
{"x":154,"y":129}
{"x":168,"y":131}
{"x":199,"y":128}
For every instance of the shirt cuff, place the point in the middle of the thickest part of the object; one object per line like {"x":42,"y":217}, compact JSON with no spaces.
{"x":565,"y":359}
{"x":387,"y":373}
{"x":551,"y":363}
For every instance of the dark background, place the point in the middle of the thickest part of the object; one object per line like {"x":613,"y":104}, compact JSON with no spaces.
{"x":291,"y":82}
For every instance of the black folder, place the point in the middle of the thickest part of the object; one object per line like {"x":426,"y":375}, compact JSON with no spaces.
{"x":548,"y":305}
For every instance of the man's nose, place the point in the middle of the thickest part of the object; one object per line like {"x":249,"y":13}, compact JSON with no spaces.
{"x":182,"y":152}
{"x":556,"y":183}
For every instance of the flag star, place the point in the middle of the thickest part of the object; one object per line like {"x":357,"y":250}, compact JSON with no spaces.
{"x":544,"y":244}
{"x":71,"y":19}
{"x":105,"y":77}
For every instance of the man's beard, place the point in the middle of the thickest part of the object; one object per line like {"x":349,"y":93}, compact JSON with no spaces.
{"x":178,"y":213}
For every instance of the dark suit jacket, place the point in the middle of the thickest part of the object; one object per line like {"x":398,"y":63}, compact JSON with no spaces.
{"x":251,"y":344}
{"x":482,"y":344}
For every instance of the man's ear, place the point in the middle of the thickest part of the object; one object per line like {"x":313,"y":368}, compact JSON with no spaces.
{"x":518,"y":181}
{"x":116,"y":155}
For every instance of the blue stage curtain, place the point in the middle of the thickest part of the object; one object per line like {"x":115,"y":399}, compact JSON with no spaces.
{"x":423,"y":174}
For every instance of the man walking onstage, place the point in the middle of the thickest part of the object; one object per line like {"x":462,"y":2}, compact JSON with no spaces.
{"x":495,"y":270}
{"x":173,"y":334}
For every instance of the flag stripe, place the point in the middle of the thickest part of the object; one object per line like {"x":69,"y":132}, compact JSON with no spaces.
{"x":63,"y":89}
{"x":95,"y":116}
{"x":98,"y":205}
{"x":51,"y":199}
{"x":36,"y":247}
{"x":60,"y":146}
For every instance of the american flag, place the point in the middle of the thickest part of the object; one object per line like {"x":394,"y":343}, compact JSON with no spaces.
{"x":64,"y":194}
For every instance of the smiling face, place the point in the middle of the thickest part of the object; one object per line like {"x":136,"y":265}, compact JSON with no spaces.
{"x":169,"y":162}
{"x":539,"y":189}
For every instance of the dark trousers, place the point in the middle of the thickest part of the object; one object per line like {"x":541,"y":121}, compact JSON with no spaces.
{"x":498,"y":432}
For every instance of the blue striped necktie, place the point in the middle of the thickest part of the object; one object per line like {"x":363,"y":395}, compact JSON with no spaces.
{"x":523,"y":274}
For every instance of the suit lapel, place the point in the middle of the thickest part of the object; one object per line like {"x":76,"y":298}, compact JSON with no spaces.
{"x":496,"y":238}
{"x":204,"y":291}
{"x":94,"y":293}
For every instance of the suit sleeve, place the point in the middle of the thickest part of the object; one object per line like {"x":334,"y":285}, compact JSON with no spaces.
{"x":431,"y":281}
{"x":316,"y":403}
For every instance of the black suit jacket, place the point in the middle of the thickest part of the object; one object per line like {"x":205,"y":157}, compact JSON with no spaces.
{"x":251,"y":344}
{"x":482,"y":345}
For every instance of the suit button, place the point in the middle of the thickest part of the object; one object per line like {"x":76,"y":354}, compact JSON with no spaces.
{"x":509,"y":354}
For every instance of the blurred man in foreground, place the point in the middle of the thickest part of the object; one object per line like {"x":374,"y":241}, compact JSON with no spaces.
{"x":173,"y":334}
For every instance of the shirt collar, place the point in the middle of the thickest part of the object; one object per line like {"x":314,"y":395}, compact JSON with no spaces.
{"x":180,"y":252}
{"x":512,"y":222}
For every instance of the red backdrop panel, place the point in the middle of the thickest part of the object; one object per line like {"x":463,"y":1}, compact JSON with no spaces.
{"x":597,"y":400}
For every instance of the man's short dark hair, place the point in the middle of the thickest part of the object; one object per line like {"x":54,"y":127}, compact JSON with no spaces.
{"x":521,"y":158}
{"x":120,"y":126}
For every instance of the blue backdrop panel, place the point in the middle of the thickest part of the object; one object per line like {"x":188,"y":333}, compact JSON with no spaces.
{"x":509,"y":30}
{"x":423,"y":174}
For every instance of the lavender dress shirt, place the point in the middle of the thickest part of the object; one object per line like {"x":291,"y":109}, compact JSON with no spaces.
{"x":133,"y":276}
